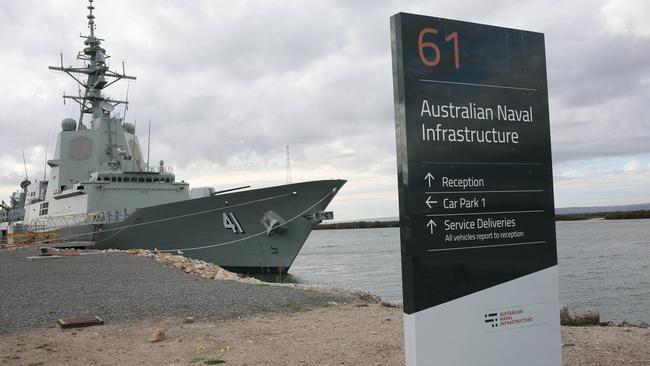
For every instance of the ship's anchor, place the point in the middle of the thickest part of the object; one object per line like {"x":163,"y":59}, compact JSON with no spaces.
{"x":273,"y":223}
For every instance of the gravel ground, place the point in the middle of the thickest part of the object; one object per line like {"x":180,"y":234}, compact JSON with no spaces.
{"x":119,"y":287}
{"x":353,"y":335}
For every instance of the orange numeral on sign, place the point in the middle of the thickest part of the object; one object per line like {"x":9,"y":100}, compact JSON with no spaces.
{"x":436,"y":50}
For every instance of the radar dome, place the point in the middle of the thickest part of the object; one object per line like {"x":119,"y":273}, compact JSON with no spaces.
{"x":68,"y":124}
{"x":128,"y":127}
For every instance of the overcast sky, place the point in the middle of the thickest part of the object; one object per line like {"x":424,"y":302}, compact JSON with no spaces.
{"x":227,"y":84}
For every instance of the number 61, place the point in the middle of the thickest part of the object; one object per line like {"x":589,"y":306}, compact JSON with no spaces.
{"x":422,"y":45}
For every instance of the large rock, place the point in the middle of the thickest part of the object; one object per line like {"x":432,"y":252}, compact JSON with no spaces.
{"x":584,"y":318}
{"x":565,"y":315}
{"x":578,"y":318}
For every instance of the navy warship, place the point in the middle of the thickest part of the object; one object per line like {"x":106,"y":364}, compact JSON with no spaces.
{"x":101,"y":193}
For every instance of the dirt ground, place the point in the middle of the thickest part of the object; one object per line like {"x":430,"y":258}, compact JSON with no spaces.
{"x":605,"y":346}
{"x":334,"y":335}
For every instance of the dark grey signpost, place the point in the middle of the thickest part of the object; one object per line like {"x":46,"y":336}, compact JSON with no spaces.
{"x":479,"y":261}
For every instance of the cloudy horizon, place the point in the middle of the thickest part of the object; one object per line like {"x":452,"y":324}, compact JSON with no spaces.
{"x":227,"y":85}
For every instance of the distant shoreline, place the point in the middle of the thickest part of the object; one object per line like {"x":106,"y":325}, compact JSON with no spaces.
{"x":357,"y":225}
{"x":613,"y":215}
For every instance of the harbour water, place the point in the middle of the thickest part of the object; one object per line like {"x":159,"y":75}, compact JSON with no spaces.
{"x":603,"y":265}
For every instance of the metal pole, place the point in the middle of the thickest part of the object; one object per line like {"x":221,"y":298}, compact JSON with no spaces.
{"x":148,"y":143}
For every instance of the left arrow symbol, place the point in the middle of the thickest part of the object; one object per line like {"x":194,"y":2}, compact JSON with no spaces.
{"x":431,"y":224}
{"x":429,"y":201}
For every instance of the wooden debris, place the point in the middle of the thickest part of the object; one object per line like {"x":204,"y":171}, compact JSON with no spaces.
{"x":84,"y":321}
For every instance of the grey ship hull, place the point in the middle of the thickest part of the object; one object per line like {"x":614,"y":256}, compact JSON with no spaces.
{"x":196,"y":226}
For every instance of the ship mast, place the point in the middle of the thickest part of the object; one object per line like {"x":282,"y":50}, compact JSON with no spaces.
{"x":98,"y":74}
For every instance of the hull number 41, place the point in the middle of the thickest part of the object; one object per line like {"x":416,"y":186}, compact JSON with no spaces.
{"x":230,"y":222}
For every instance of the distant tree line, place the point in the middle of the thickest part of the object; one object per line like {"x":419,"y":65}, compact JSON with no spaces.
{"x":614,"y":215}
{"x":580,"y":216}
{"x":624,"y":215}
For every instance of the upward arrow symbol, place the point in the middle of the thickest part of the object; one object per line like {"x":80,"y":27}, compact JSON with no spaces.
{"x":431,"y":224}
{"x":429,"y":178}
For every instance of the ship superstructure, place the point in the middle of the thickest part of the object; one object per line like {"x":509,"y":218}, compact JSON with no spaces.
{"x":97,"y":173}
{"x":101,"y":191}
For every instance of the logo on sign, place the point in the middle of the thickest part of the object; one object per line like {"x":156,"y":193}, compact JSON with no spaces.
{"x":492,"y":319}
{"x":509,"y":318}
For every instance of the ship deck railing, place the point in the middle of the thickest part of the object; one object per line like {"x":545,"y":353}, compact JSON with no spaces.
{"x":90,"y":218}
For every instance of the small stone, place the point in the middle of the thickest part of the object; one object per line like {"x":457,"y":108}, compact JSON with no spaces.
{"x":157,"y":336}
{"x":210,"y":274}
{"x":189,"y":319}
{"x":622,"y":324}
{"x":389,"y":304}
{"x":368,"y":297}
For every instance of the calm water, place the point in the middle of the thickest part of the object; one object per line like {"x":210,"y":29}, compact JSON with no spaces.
{"x":604,"y":265}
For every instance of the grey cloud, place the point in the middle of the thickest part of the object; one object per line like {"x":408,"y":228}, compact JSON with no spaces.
{"x":230,"y":81}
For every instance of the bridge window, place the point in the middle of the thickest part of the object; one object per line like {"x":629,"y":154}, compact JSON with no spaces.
{"x":44,"y":208}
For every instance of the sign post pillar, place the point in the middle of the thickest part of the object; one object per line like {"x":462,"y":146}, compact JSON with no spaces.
{"x":477,"y":229}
